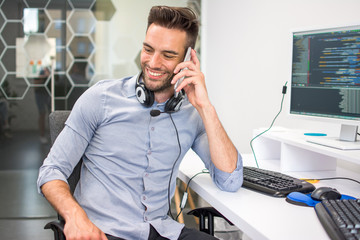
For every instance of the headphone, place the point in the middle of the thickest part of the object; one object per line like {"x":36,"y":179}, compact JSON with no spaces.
{"x":147,"y":98}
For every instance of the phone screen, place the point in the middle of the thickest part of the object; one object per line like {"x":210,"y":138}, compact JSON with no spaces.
{"x":187,"y":58}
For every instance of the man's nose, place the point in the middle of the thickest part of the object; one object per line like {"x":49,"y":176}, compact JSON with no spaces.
{"x":155,"y":61}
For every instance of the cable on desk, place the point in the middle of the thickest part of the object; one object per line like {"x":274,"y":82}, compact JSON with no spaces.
{"x":184,"y":199}
{"x":281,"y":106}
{"x":331,"y":178}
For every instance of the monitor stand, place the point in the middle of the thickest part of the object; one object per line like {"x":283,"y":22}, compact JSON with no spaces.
{"x":348,"y":133}
{"x":346,"y":141}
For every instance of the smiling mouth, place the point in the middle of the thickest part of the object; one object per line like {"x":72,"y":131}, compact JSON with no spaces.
{"x":155,"y":74}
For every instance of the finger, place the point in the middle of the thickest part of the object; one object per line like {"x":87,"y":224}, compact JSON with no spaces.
{"x":194,"y":58}
{"x":184,"y":73}
{"x":188,"y":75}
{"x":176,"y":78}
{"x":181,"y":66}
{"x":188,"y":64}
{"x":186,"y":83}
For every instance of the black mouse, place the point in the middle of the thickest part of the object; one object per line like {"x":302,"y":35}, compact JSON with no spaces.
{"x":325,"y":193}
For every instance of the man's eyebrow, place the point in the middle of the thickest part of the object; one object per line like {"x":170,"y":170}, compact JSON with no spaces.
{"x":147,"y":45}
{"x":164,"y":51}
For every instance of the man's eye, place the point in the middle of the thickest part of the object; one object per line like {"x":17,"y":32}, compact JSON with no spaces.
{"x":169,"y":56}
{"x":147,"y":49}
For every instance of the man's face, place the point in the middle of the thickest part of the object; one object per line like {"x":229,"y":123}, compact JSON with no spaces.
{"x":162,"y":50}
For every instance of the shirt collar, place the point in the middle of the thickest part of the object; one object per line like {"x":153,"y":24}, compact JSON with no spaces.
{"x":130,"y":85}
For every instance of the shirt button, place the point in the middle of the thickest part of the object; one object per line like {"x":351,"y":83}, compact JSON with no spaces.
{"x":152,"y":128}
{"x":144,"y":198}
{"x":146,"y":174}
{"x":145,"y":218}
{"x":149,"y":152}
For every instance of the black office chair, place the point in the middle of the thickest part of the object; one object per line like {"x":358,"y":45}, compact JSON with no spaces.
{"x":57,"y":121}
{"x":208,"y":213}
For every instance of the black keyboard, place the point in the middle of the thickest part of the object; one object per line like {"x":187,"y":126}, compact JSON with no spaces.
{"x":340,"y":218}
{"x":274,"y":183}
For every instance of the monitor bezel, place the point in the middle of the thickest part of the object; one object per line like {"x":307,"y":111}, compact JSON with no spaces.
{"x":313,"y":117}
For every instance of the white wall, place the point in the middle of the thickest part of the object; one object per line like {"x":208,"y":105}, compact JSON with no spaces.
{"x":246,"y":57}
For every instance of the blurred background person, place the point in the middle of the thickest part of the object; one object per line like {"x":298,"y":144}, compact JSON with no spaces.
{"x":43,"y":102}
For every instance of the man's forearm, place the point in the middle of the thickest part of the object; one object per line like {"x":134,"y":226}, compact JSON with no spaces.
{"x":58,"y":194}
{"x":222,"y":150}
{"x":77,"y":223}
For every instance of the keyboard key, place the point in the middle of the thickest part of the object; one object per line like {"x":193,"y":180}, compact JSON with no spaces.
{"x":273,"y":183}
{"x":340,"y":218}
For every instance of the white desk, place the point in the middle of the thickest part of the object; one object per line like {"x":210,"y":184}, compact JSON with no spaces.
{"x":261,"y":216}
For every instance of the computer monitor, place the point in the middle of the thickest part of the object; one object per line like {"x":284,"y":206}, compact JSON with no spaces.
{"x":325,"y":79}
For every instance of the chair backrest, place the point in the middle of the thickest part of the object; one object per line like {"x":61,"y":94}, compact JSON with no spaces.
{"x":57,"y":121}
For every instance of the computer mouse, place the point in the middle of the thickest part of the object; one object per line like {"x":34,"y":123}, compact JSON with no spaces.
{"x":325,"y":193}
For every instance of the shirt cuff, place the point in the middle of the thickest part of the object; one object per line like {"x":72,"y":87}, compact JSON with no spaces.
{"x":230,"y":182}
{"x":49,"y":175}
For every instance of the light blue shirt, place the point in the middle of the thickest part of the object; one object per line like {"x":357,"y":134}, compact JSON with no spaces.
{"x":127,"y":159}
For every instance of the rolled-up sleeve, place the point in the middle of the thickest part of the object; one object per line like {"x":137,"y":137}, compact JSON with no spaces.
{"x":230,"y":182}
{"x":62,"y":158}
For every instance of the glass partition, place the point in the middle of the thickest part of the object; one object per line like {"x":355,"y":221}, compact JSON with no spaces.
{"x":81,"y":42}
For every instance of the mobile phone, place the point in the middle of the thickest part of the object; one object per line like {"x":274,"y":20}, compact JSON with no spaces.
{"x":187,"y":58}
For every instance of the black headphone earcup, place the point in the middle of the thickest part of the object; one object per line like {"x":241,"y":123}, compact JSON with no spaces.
{"x":144,"y":96}
{"x":174,"y":103}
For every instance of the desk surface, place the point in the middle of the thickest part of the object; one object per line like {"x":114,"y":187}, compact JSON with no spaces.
{"x":261,"y":216}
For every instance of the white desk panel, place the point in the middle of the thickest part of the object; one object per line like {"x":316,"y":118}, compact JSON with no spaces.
{"x":258,"y":215}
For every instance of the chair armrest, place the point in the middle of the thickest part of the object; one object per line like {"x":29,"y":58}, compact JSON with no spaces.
{"x":58,"y":227}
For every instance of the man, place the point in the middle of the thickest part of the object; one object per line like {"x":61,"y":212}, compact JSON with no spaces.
{"x":132,"y":142}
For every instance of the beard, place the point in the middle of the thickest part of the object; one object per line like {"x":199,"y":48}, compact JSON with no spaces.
{"x":161,"y":86}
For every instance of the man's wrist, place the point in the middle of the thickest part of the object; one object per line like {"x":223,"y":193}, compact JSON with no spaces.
{"x":206,"y":111}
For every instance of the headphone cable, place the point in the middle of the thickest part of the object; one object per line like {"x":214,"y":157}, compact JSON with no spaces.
{"x":172,"y":169}
{"x":184,"y":199}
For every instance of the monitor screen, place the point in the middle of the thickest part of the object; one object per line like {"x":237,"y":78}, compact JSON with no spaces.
{"x":326,"y":73}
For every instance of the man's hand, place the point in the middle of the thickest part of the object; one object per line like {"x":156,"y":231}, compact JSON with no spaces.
{"x":194,"y":82}
{"x":81,"y":228}
{"x":77,"y":224}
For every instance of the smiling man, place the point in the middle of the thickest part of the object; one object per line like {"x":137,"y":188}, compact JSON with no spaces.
{"x":132,"y":134}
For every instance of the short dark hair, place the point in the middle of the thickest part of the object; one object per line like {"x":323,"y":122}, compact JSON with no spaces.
{"x":181,"y":18}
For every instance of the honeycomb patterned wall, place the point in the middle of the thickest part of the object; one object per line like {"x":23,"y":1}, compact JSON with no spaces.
{"x":33,"y":32}
{"x":38,"y":34}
